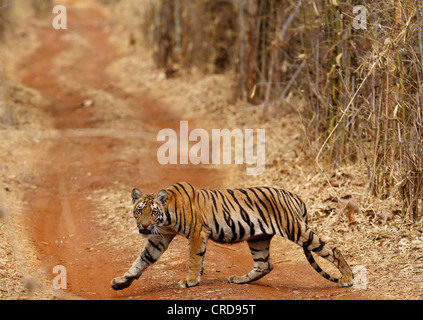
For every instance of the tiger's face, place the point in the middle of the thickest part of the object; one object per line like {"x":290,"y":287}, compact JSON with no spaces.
{"x":149,"y":211}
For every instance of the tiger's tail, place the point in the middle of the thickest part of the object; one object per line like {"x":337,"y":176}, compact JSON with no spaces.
{"x":316,"y":267}
{"x":310,"y":257}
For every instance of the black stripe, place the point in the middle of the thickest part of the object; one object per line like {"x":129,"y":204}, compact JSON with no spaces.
{"x":250,"y":204}
{"x":202,"y":253}
{"x":241,"y":230}
{"x":224,"y":204}
{"x":273,"y":203}
{"x":261,"y":227}
{"x":265,"y":259}
{"x":204,"y":198}
{"x":278,"y":204}
{"x":148,"y":256}
{"x":261,"y":201}
{"x":268,"y":211}
{"x":174,"y":206}
{"x":191,"y":211}
{"x":299,"y":232}
{"x":221,"y":236}
{"x":179,"y":217}
{"x":157,"y":246}
{"x":310,"y":239}
{"x":214,"y":212}
{"x":288,"y":217}
{"x":227,"y":216}
{"x":320,"y":247}
{"x":244,"y":216}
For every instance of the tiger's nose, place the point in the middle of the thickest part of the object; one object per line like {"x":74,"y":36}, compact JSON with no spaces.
{"x":145,"y":226}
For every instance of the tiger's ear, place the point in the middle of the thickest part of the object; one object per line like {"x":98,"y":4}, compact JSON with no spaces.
{"x":136,"y":195}
{"x":162,"y":197}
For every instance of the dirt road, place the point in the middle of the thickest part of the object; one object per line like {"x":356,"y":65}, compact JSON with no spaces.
{"x":98,"y":144}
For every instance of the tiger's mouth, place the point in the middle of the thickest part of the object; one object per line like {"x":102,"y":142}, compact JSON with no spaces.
{"x":144,"y":231}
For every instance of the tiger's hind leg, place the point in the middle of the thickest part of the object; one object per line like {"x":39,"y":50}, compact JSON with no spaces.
{"x":262,"y":265}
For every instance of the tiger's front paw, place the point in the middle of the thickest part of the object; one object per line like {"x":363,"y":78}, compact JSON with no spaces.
{"x":188,"y":283}
{"x":120,"y":283}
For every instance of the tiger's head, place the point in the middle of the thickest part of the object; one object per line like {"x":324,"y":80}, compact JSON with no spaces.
{"x":149,"y":210}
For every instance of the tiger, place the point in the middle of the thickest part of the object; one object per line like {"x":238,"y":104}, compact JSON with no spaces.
{"x":253,"y":214}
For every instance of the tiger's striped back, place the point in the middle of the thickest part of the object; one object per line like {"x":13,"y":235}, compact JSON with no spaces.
{"x":242,"y":214}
